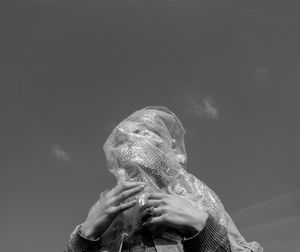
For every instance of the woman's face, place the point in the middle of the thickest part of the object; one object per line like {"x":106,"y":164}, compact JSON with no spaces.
{"x":143,"y":149}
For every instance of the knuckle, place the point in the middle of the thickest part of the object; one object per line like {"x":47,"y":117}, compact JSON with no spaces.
{"x":125,"y":183}
{"x":122,"y":185}
{"x":168,"y":201}
{"x":118,"y":208}
{"x":103,"y":194}
{"x":165,"y":209}
{"x":107,"y":194}
{"x":122,"y":195}
{"x":117,"y":188}
{"x":110,"y":201}
{"x":114,"y":209}
{"x":109,"y":211}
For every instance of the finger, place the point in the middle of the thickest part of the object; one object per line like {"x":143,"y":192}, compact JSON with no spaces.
{"x":151,"y":212}
{"x":142,"y":200}
{"x":154,"y":221}
{"x":151,"y":203}
{"x":157,"y":195}
{"x":125,"y":206}
{"x":125,"y":186}
{"x":146,"y":214}
{"x":128,"y":193}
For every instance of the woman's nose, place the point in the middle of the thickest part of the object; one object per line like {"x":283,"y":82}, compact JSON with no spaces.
{"x":121,"y":136}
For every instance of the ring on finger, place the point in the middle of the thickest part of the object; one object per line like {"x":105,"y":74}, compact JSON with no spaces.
{"x":150,"y":211}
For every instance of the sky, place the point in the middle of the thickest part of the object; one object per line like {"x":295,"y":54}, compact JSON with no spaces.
{"x":70,"y":71}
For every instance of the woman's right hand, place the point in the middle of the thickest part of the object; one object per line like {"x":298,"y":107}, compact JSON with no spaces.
{"x":108,"y":206}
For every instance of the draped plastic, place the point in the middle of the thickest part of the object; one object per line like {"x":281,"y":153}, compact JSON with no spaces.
{"x":149,"y":146}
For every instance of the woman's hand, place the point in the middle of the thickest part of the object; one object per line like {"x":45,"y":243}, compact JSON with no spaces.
{"x":174,"y":211}
{"x":108,"y":206}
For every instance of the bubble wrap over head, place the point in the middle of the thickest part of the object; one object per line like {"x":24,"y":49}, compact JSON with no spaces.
{"x":149,"y":146}
{"x":152,"y":131}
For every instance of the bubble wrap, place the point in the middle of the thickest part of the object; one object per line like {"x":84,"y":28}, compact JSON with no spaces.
{"x":148,"y":146}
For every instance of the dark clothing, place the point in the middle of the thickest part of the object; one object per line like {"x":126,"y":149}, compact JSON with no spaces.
{"x":213,"y":238}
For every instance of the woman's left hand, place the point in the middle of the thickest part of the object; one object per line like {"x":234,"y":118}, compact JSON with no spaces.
{"x":173,"y":211}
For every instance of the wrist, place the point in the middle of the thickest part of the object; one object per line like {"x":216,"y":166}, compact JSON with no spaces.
{"x":89,"y":231}
{"x":196,"y":224}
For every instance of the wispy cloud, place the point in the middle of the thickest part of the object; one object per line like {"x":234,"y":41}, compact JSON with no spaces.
{"x":204,"y":107}
{"x":273,"y":209}
{"x":60,"y":154}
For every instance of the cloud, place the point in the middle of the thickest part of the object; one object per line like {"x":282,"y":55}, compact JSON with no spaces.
{"x":280,"y":207}
{"x":203,"y":108}
{"x":261,"y":73}
{"x":60,"y":154}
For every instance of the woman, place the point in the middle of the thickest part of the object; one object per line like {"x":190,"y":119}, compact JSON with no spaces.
{"x":157,"y":205}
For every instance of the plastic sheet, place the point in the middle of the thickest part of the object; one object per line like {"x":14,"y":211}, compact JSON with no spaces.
{"x":149,"y":146}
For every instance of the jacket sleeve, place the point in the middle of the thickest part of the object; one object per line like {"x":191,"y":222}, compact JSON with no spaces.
{"x":78,"y":243}
{"x":213,"y":238}
{"x":237,"y":241}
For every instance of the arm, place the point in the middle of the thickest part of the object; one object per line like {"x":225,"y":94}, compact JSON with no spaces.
{"x":212,"y":236}
{"x":215,"y":237}
{"x":79,"y":243}
{"x":110,"y":205}
{"x":178,"y":213}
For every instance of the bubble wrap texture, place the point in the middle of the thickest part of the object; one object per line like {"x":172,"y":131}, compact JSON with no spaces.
{"x":149,"y":146}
